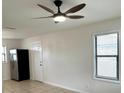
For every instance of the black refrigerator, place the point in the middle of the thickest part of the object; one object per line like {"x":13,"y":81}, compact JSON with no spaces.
{"x":19,"y":64}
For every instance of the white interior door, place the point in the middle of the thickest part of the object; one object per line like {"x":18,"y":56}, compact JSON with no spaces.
{"x":37,"y":61}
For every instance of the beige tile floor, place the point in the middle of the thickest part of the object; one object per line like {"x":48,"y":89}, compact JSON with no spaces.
{"x":28,"y":86}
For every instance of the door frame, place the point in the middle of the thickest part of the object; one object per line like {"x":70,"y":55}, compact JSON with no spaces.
{"x":32,"y":63}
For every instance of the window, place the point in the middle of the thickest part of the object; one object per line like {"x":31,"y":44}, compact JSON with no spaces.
{"x":4,"y":55}
{"x":107,"y":56}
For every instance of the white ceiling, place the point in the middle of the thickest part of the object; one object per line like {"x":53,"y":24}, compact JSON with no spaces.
{"x":19,"y":14}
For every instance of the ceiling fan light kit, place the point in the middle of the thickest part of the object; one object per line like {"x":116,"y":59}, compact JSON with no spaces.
{"x":59,"y":19}
{"x":59,"y":16}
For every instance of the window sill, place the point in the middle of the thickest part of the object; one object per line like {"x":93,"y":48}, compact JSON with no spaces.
{"x":107,"y":80}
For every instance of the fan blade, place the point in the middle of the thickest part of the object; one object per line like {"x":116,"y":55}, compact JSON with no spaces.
{"x":75,"y":9}
{"x":43,"y":17}
{"x":75,"y":16}
{"x":46,"y":8}
{"x":12,"y":28}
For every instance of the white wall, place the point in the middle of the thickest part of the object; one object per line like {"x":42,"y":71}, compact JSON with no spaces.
{"x":9,"y":43}
{"x":68,"y":57}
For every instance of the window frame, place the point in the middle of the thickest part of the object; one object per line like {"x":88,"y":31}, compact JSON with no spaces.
{"x":95,"y":56}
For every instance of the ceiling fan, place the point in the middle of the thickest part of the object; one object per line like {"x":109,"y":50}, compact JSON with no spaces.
{"x":59,"y":16}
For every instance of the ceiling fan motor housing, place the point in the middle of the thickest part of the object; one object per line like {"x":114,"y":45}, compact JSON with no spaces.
{"x":58,"y":3}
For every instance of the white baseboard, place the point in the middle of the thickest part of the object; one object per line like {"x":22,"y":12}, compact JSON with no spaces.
{"x":61,"y":86}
